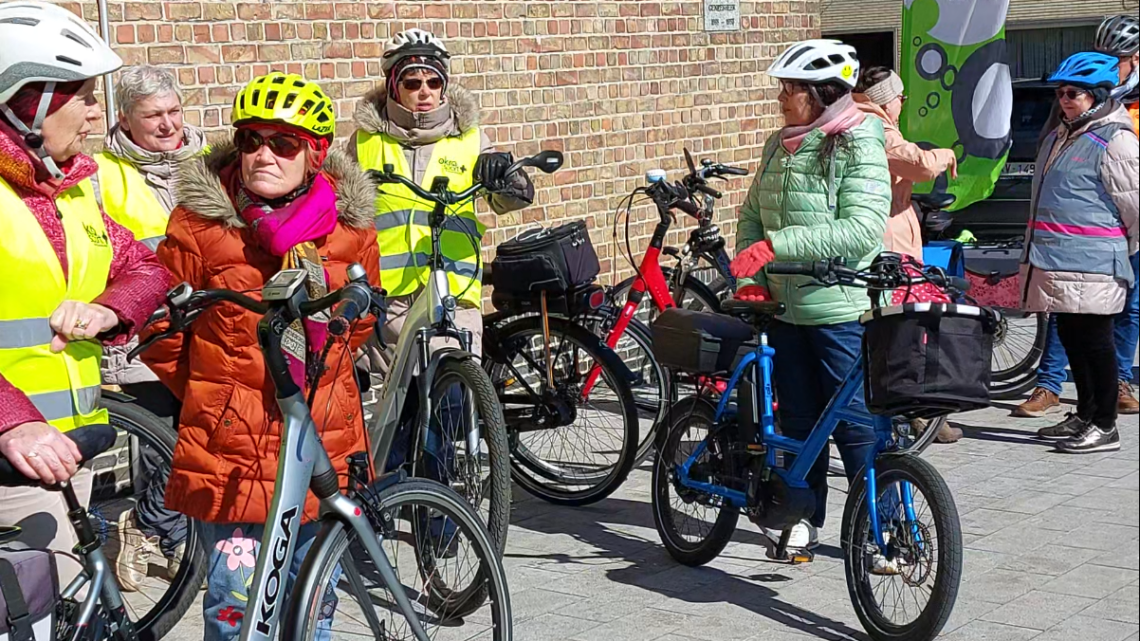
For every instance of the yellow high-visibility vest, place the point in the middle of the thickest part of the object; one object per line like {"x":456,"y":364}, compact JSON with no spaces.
{"x":65,"y":387}
{"x":402,"y":218}
{"x":129,"y":201}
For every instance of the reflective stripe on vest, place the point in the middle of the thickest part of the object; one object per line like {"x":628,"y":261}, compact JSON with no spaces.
{"x":402,"y":218}
{"x":128,"y":200}
{"x":1076,"y":225}
{"x":65,"y":387}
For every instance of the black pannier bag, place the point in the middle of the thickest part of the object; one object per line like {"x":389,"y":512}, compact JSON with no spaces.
{"x":557,"y":261}
{"x":29,"y":595}
{"x":927,"y":359}
{"x":686,"y":340}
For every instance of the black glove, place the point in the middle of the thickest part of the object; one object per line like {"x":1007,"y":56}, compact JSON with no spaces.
{"x":491,"y":170}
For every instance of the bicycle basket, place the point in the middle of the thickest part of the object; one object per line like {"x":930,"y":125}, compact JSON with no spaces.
{"x":928,"y":359}
{"x":29,"y":595}
{"x":695,"y":342}
{"x":556,"y":261}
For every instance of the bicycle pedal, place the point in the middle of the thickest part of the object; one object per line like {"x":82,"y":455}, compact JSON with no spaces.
{"x":800,"y":558}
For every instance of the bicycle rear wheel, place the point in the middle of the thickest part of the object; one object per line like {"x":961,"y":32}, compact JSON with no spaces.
{"x":650,"y":386}
{"x":567,"y":447}
{"x":138,"y":464}
{"x":339,"y":588}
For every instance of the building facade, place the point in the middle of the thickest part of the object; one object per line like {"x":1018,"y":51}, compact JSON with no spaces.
{"x":620,"y":86}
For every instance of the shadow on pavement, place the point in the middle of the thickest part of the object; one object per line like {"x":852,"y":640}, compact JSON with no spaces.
{"x":648,"y":562}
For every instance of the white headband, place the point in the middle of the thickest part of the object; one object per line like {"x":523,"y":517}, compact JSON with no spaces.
{"x":885,"y":91}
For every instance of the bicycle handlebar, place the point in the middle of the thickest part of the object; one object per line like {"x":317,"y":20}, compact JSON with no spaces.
{"x":353,"y":301}
{"x":548,"y":161}
{"x":885,"y":274}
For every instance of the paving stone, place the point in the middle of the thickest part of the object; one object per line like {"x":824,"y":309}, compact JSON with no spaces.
{"x":1038,"y":610}
{"x":1088,"y":629}
{"x":986,"y":631}
{"x":1090,"y":580}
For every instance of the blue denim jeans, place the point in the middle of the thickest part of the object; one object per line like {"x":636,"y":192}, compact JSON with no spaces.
{"x":1051,"y":373}
{"x":812,"y":364}
{"x":231,"y":554}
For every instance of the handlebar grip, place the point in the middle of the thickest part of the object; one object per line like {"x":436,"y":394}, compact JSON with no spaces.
{"x":960,"y":284}
{"x":354,"y":303}
{"x":704,"y":189}
{"x":792,"y":269}
{"x":732,"y":171}
{"x":92,"y":440}
{"x":688,"y":207}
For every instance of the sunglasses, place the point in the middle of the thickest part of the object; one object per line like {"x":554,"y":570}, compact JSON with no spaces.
{"x":1070,"y":94}
{"x":286,"y":146}
{"x":414,"y":84}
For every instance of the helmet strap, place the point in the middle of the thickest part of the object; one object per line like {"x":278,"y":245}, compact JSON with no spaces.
{"x":33,"y":137}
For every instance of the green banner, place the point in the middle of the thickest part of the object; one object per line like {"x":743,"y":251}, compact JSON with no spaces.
{"x":959,"y":91}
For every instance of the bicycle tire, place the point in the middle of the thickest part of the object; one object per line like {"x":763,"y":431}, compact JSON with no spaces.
{"x":335,"y":540}
{"x":546,"y":479}
{"x":1027,"y":364}
{"x":184,"y":588}
{"x":682,"y":415}
{"x":930,"y":622}
{"x":659,"y":377}
{"x":498,"y":480}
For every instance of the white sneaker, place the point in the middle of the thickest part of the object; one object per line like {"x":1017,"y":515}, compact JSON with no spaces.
{"x":804,"y":536}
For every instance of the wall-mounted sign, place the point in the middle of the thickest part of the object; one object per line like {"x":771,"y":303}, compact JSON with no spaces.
{"x":722,"y":15}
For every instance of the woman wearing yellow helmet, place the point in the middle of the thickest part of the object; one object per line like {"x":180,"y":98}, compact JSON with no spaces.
{"x":276,"y":198}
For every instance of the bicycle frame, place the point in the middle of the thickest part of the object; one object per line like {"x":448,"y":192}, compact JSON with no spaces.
{"x":806,"y":452}
{"x":96,"y":572}
{"x":304,"y":465}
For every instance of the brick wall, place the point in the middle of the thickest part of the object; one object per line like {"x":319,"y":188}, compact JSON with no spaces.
{"x":619,"y":86}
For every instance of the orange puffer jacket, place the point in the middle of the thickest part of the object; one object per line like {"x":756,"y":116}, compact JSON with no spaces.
{"x":229,"y":432}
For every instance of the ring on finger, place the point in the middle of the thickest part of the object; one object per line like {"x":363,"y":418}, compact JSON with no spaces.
{"x":33,"y":454}
{"x":82,"y":323}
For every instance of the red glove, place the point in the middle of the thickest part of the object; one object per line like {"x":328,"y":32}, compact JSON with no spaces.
{"x":752,"y":260}
{"x":754,"y":294}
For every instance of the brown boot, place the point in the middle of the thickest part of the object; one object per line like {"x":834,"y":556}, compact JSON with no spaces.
{"x":1039,"y":404}
{"x":1127,"y":405}
{"x":948,"y":434}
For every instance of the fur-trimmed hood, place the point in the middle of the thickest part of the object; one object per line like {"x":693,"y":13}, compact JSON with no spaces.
{"x":370,"y":113}
{"x":200,"y":188}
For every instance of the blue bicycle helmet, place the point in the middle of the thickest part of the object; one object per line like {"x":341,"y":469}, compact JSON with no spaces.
{"x":1088,"y":70}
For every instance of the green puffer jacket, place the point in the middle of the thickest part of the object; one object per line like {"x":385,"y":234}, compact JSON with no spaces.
{"x":791,"y":205}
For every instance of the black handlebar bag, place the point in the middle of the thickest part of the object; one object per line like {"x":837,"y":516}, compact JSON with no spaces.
{"x":924,"y":360}
{"x":29,"y":595}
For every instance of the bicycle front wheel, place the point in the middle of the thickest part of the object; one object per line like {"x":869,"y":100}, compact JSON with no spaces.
{"x":570,"y":444}
{"x":908,"y":593}
{"x":466,"y":450}
{"x":130,"y":480}
{"x":340,"y":591}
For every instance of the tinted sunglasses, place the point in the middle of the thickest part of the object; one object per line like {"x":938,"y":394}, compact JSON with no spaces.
{"x":1070,"y":94}
{"x":249,"y":141}
{"x":414,"y":84}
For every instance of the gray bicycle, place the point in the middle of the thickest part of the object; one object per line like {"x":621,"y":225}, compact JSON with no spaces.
{"x":380,"y":561}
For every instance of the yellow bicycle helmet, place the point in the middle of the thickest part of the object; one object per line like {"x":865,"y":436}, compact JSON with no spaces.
{"x":287,"y":99}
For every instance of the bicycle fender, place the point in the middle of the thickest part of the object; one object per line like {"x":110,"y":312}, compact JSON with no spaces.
{"x":437,"y":358}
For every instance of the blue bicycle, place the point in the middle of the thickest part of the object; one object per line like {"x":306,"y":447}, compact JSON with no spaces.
{"x":722,"y":455}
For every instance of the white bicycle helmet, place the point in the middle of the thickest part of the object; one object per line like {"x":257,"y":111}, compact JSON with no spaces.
{"x":816,"y":62}
{"x":1119,"y":36}
{"x":413,"y":42}
{"x":41,"y":42}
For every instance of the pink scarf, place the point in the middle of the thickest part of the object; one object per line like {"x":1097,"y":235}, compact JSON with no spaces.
{"x":840,"y":117}
{"x":290,"y":233}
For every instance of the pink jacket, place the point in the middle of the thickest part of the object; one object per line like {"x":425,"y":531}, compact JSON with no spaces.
{"x":909,"y":164}
{"x":137,"y":283}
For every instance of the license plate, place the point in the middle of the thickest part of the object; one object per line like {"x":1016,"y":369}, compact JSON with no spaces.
{"x":1019,"y":169}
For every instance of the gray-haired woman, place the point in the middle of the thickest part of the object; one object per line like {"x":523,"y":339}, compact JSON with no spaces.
{"x":138,"y":167}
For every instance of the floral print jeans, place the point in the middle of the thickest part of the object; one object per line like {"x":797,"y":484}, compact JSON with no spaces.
{"x":231,"y":550}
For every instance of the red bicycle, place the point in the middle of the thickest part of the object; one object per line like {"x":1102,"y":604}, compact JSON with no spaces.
{"x":625,"y":325}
